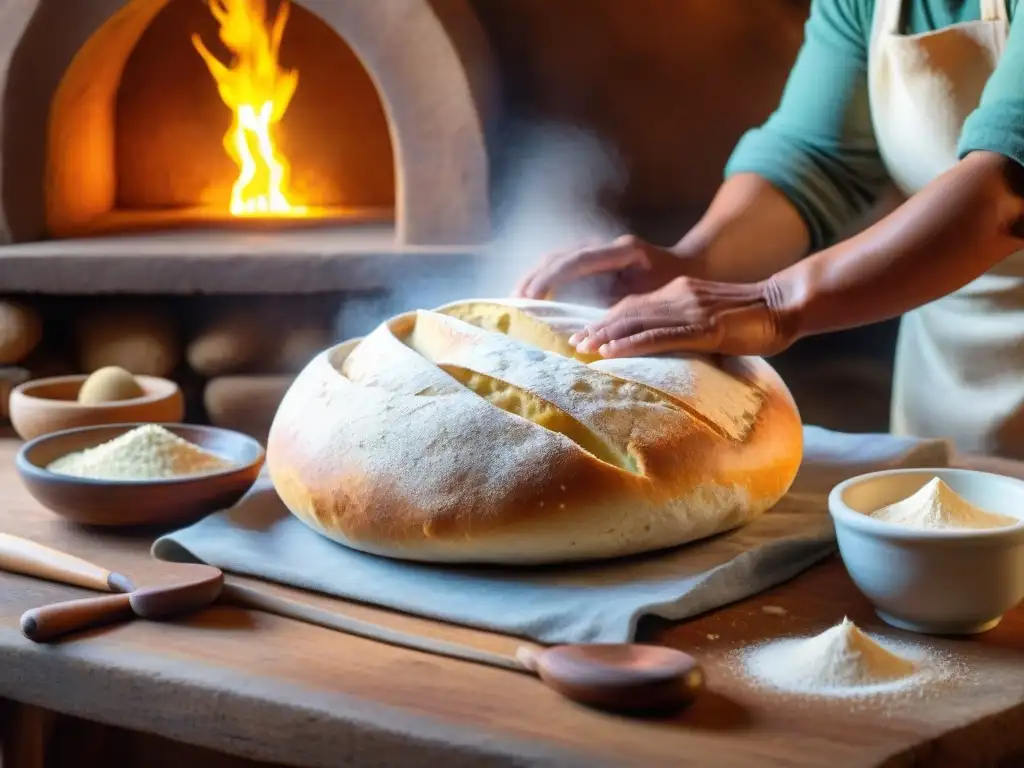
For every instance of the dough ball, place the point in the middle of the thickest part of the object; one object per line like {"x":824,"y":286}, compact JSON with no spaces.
{"x":108,"y":385}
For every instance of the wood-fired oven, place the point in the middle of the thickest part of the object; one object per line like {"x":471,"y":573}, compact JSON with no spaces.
{"x":238,"y":145}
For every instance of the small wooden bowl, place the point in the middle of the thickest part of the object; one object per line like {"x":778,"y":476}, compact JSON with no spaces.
{"x":138,"y":502}
{"x":44,"y":406}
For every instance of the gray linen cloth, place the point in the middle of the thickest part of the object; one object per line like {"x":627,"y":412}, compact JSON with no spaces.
{"x":595,"y":602}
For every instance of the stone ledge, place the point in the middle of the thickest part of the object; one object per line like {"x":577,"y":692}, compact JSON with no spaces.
{"x":320,"y":261}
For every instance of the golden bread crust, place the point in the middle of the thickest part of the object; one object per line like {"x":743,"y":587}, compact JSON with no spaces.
{"x":473,"y":433}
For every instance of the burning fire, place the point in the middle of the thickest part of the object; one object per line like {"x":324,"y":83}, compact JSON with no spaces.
{"x":257,"y":91}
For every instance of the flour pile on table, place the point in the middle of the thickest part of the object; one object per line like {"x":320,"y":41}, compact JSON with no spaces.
{"x":937,"y":506}
{"x":843,"y":661}
{"x":149,"y":452}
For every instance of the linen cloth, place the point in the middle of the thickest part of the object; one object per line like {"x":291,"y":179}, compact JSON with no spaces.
{"x":594,"y":602}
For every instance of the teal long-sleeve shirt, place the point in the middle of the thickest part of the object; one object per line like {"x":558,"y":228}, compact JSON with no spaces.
{"x":819,"y":147}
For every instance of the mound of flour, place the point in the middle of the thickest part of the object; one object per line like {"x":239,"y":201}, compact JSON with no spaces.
{"x":843,"y":661}
{"x":149,"y":452}
{"x":937,"y":506}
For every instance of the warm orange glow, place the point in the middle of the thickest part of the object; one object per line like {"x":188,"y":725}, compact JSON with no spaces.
{"x":257,"y":91}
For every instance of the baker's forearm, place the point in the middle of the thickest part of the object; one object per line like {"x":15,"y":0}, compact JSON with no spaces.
{"x":749,"y":232}
{"x":951,"y":232}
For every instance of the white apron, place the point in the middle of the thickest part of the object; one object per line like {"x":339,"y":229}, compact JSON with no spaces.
{"x":959,"y":360}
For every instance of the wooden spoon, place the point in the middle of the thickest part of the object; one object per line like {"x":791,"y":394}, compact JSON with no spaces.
{"x":19,"y":555}
{"x":615,"y":676}
{"x":159,"y":602}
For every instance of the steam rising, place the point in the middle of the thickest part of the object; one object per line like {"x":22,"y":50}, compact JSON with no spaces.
{"x":548,"y":201}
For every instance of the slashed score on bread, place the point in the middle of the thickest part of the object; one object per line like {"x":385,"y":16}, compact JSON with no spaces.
{"x":474,"y":433}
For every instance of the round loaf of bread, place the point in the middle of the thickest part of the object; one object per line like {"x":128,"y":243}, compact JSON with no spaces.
{"x":474,"y":433}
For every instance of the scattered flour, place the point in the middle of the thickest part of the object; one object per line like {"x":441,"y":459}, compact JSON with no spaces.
{"x":149,"y":452}
{"x":844,"y":662}
{"x":937,"y":506}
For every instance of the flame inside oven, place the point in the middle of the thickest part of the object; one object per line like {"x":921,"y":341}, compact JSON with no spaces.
{"x":257,"y":91}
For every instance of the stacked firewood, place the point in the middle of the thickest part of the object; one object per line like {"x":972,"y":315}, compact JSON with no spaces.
{"x":21,"y":329}
{"x":233,"y":358}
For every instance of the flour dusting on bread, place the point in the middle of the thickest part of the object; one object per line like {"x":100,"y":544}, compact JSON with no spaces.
{"x":476,"y":433}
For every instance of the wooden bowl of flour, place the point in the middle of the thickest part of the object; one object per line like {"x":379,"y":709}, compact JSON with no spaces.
{"x":115,"y":501}
{"x":43,"y":406}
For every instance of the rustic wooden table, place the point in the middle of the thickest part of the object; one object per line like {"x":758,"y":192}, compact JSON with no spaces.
{"x":229,"y":687}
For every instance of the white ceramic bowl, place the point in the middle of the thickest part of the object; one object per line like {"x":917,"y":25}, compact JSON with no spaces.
{"x":947,"y":582}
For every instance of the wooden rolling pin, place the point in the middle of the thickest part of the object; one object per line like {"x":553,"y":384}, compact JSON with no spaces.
{"x":201,"y":587}
{"x":19,"y":555}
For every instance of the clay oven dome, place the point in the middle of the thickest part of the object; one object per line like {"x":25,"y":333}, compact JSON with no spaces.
{"x":75,"y":89}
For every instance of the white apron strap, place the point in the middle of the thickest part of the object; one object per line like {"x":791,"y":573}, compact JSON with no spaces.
{"x":994,"y":10}
{"x":885,"y":21}
{"x":888,"y":15}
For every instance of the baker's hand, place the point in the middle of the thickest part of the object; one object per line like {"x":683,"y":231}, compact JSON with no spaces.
{"x":695,"y":315}
{"x":634,"y":266}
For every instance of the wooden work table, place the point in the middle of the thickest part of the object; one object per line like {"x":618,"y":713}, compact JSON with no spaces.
{"x":254,"y":686}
